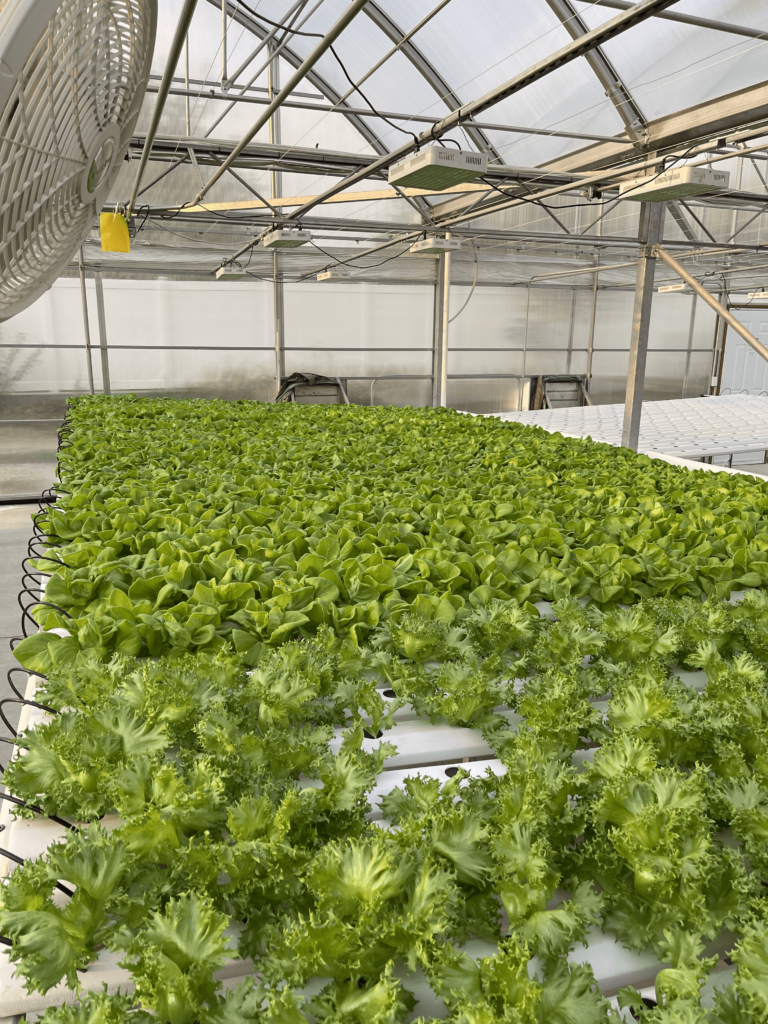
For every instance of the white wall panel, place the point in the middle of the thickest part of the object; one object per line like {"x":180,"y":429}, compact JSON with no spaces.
{"x":365,"y":317}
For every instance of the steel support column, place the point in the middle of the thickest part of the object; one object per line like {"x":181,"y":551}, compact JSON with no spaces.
{"x":445,"y":320}
{"x":651,"y":224}
{"x":275,"y":132}
{"x":102,"y":334}
{"x":592,"y":321}
{"x":279,"y":321}
{"x":570,"y":331}
{"x":717,"y":349}
{"x":691,"y":326}
{"x":86,"y":325}
{"x":437,"y":333}
{"x":525,"y":349}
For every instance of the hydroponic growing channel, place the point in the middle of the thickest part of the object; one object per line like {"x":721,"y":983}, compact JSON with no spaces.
{"x":366,"y":715}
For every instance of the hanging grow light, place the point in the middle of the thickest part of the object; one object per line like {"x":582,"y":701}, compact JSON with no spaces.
{"x":286,"y":238}
{"x":229,"y":274}
{"x":334,"y":274}
{"x":674,"y":184}
{"x":436,"y":168}
{"x":435,"y":245}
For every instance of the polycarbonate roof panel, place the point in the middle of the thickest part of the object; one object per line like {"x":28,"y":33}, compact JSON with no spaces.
{"x":474,"y":46}
{"x":669,"y":66}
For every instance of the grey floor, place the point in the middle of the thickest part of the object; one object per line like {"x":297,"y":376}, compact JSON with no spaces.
{"x":15,"y":531}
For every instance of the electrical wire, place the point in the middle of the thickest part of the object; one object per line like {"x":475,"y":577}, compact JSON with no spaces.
{"x":346,"y":263}
{"x":602,"y":202}
{"x":279,"y":24}
{"x":472,"y":289}
{"x":360,"y":92}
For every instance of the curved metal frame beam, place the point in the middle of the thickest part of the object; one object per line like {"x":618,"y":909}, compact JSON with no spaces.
{"x":428,"y":72}
{"x":242,"y":17}
{"x":606,"y":74}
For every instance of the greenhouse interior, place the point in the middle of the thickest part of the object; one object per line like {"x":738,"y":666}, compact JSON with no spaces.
{"x":384,"y":511}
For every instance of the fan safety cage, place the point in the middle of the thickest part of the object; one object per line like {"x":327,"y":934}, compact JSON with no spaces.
{"x":69,"y":108}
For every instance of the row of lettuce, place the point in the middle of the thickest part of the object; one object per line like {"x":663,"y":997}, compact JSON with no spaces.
{"x":223,"y":787}
{"x":628,"y":801}
{"x":194,"y":525}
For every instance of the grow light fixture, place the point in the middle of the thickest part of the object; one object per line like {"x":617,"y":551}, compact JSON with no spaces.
{"x":757,"y":295}
{"x":674,"y":184}
{"x":435,"y":245}
{"x":286,"y":238}
{"x":229,"y":274}
{"x":436,"y":168}
{"x":672,"y":287}
{"x":334,"y":274}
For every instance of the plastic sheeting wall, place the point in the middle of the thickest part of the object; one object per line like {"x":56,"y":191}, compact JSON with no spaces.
{"x":345,"y":329}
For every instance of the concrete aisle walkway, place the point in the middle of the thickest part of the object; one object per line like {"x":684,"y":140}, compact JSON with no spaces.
{"x":15,"y":531}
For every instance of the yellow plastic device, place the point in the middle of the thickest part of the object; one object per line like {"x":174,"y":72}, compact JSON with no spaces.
{"x":114,"y":233}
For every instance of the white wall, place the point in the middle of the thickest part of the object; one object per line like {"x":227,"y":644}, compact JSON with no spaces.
{"x":324,"y":318}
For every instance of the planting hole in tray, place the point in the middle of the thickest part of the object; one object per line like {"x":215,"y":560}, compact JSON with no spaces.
{"x":369,"y":735}
{"x":450,"y":772}
{"x":389,"y":693}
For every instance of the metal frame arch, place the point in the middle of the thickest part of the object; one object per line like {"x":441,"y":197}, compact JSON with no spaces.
{"x":606,"y":74}
{"x":241,"y":16}
{"x":428,"y":72}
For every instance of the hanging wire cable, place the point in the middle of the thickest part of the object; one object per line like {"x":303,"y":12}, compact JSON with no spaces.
{"x":360,"y":93}
{"x":471,"y":290}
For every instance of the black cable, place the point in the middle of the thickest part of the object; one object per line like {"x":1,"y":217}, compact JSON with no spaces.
{"x":38,"y":810}
{"x":603,"y":202}
{"x":345,"y":263}
{"x":277,"y":24}
{"x":359,"y":91}
{"x":22,"y":862}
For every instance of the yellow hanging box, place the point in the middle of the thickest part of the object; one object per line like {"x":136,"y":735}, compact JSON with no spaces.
{"x":114,"y":233}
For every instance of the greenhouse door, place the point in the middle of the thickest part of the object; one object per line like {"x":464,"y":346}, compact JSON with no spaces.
{"x":743,"y":369}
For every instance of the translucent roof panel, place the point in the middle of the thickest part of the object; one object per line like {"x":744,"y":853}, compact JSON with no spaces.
{"x":669,"y":66}
{"x":467,"y":49}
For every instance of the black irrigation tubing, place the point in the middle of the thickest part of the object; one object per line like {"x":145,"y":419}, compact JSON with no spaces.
{"x":26,"y":614}
{"x":35,"y":582}
{"x":22,"y":700}
{"x":39,"y":810}
{"x":22,"y":862}
{"x":27,"y":672}
{"x":46,"y":558}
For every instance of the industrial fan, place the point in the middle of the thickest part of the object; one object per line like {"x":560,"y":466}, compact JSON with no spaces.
{"x":72,"y":77}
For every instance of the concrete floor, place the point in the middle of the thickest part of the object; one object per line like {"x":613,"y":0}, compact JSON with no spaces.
{"x":27,"y":457}
{"x":15,"y":531}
